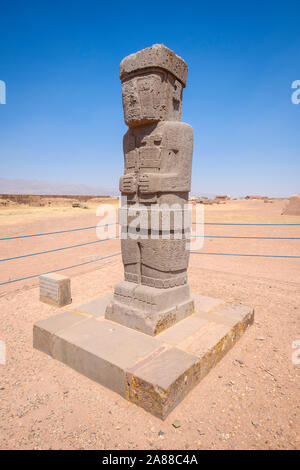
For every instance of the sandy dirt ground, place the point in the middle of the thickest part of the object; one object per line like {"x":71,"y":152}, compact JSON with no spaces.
{"x":250,"y":400}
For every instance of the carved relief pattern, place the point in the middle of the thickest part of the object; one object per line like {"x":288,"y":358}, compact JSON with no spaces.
{"x":158,"y":151}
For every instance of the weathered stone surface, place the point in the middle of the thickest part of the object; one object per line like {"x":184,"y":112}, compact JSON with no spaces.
{"x":55,"y":289}
{"x":158,"y":151}
{"x":214,"y":339}
{"x":225,"y":313}
{"x":102,"y":351}
{"x":150,"y":298}
{"x":207,"y":304}
{"x":44,"y":330}
{"x":182,"y":330}
{"x":156,"y":56}
{"x":96,"y":307}
{"x":161,"y":381}
{"x":149,"y":309}
{"x":155,"y":373}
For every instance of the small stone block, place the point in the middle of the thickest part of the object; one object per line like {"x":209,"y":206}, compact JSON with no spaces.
{"x":55,"y":289}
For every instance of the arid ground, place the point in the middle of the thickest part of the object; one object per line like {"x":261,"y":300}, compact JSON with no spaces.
{"x":250,"y":400}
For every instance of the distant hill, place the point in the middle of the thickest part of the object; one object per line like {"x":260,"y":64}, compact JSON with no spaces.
{"x":20,"y":186}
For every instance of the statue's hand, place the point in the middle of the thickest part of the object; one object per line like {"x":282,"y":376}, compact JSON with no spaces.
{"x":128,"y":184}
{"x":148,"y":183}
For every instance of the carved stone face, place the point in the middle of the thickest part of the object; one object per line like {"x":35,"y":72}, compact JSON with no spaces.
{"x":151,"y":97}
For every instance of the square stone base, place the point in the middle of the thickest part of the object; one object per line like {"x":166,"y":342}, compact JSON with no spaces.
{"x":155,"y":373}
{"x":149,"y":309}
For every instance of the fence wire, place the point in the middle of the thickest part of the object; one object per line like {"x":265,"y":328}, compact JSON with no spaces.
{"x":116,"y":254}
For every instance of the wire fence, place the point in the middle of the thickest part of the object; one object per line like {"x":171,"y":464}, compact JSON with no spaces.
{"x":115,"y":223}
{"x":55,"y":233}
{"x":58,"y":249}
{"x":118,"y":253}
{"x":59,"y":269}
{"x":242,"y":254}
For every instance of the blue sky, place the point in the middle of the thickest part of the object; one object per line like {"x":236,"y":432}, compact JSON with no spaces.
{"x":63,"y":119}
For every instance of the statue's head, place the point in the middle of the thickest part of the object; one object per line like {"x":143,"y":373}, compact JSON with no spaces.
{"x":152,"y":84}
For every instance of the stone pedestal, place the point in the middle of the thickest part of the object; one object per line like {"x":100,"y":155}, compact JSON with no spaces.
{"x":155,"y":373}
{"x":148,"y":309}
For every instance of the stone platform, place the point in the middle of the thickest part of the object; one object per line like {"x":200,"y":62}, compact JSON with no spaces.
{"x":155,"y":373}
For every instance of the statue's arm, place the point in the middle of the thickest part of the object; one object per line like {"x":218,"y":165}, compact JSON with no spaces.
{"x":163,"y":183}
{"x":175,"y":162}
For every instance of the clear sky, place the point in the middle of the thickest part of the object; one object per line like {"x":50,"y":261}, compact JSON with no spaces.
{"x":63,"y":119}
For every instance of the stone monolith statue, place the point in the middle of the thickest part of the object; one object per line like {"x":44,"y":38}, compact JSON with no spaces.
{"x":158,"y":151}
{"x":141,"y":349}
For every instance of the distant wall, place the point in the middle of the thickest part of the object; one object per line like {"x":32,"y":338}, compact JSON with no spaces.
{"x":29,"y":198}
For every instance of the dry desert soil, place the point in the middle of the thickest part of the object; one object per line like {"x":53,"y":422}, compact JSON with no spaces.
{"x":250,"y":400}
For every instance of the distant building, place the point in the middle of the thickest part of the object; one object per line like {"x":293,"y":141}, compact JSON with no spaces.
{"x":255,"y":197}
{"x":222,"y":198}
